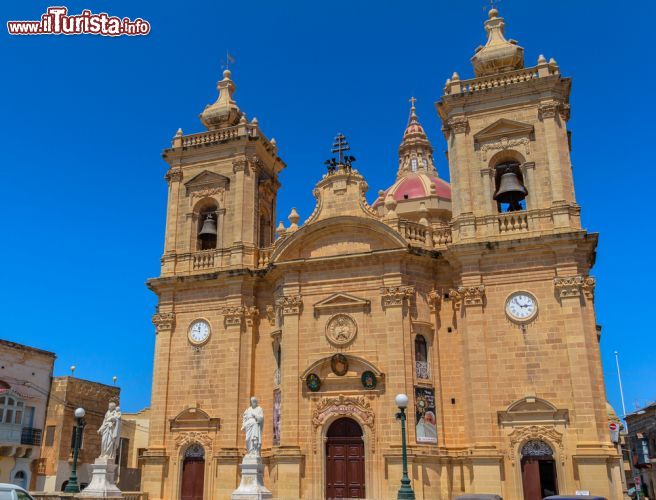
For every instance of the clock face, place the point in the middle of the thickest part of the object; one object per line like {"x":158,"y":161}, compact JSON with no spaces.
{"x":521,"y":307}
{"x":199,"y":332}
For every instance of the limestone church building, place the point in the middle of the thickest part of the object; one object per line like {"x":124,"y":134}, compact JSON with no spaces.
{"x":474,"y":298}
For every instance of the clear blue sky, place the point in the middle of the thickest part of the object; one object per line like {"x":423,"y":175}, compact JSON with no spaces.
{"x":84,"y":120}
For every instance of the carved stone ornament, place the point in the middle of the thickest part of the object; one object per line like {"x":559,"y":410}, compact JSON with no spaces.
{"x":271,"y":314}
{"x":246,"y":165}
{"x":233,"y":315}
{"x":252,"y":314}
{"x":290,"y":304}
{"x":207,"y":192}
{"x":503,"y":144}
{"x":458,"y":124}
{"x":393,"y":296}
{"x":341,"y":329}
{"x":468,"y":295}
{"x":522,"y":435}
{"x":572,"y":286}
{"x":174,"y":174}
{"x":164,"y":321}
{"x":349,"y":406}
{"x":550,"y":109}
{"x":434,"y":300}
{"x":186,"y":439}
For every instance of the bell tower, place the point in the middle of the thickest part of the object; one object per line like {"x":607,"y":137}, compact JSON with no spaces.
{"x":508,"y":143}
{"x":222,"y":191}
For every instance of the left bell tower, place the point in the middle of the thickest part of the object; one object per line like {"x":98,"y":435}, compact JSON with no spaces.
{"x":222,"y":191}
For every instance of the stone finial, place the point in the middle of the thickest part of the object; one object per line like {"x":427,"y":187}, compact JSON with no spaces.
{"x":177,"y":138}
{"x":293,"y":218}
{"x":423,"y":211}
{"x":390,"y":207}
{"x":224,"y":112}
{"x":280,"y":230}
{"x":179,"y":132}
{"x":542,"y":59}
{"x":273,"y":142}
{"x":498,"y":55}
{"x":254,"y":121}
{"x":455,"y":77}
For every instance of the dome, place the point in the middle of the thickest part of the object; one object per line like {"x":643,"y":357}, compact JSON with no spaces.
{"x":224,"y":112}
{"x":416,"y":186}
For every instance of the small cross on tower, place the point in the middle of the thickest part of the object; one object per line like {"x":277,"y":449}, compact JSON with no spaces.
{"x":412,"y":100}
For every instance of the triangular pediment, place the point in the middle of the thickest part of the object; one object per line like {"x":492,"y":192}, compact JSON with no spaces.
{"x":503,"y":128}
{"x":207,"y":179}
{"x":341,"y":301}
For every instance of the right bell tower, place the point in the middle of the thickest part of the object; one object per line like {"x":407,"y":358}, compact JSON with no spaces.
{"x":508,"y":144}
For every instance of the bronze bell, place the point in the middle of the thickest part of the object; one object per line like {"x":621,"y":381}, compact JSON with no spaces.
{"x":209,"y":226}
{"x":511,"y":190}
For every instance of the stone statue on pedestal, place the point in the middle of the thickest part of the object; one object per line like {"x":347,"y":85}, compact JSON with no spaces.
{"x":103,"y":482}
{"x":252,"y":486}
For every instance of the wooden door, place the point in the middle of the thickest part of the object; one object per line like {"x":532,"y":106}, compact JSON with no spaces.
{"x":345,"y":460}
{"x":193,"y":476}
{"x":531,"y":479}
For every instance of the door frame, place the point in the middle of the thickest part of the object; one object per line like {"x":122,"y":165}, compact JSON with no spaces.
{"x":556,"y":455}
{"x":176,"y":484}
{"x":366,"y":441}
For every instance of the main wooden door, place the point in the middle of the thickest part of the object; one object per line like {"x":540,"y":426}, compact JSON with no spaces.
{"x":344,"y":460}
{"x":193,"y":474}
{"x":538,"y":471}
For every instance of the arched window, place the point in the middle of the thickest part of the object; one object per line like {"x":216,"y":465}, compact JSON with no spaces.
{"x":278,"y":371}
{"x":510,"y":192}
{"x":207,"y":230}
{"x":421,"y":357}
{"x":20,"y":479}
{"x":11,"y":410}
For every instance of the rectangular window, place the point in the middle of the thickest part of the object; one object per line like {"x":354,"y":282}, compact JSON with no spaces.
{"x":123,"y":452}
{"x":50,"y":435}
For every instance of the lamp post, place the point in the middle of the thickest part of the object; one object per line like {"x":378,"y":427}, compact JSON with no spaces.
{"x":72,"y":486}
{"x":405,"y":491}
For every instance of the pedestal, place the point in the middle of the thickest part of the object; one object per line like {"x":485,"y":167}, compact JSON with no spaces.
{"x":252,"y":484}
{"x":102,"y":483}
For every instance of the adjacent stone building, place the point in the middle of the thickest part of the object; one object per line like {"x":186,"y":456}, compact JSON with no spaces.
{"x":25,"y":374}
{"x":66,"y":395}
{"x":641,"y":437}
{"x":473,"y":298}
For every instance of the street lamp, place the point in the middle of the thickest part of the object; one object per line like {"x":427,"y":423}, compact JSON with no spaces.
{"x":405,"y":491}
{"x":72,"y":486}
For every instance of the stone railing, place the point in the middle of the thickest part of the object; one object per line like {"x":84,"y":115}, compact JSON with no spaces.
{"x":424,"y":236}
{"x":512,"y":222}
{"x":264,"y":256}
{"x":216,"y":136}
{"x":422,"y":370}
{"x":502,"y":80}
{"x":202,"y":260}
{"x":128,"y":495}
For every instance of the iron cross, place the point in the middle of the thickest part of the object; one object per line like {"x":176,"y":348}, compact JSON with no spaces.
{"x":339,"y":146}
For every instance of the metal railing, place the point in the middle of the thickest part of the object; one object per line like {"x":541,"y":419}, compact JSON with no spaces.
{"x":31,"y":436}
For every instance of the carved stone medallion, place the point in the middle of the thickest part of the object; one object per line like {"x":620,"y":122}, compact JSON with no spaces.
{"x":341,"y":329}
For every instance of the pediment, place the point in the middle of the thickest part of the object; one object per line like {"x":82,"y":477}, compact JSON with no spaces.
{"x":341,"y":301}
{"x":194,"y":418}
{"x":531,"y":409}
{"x":207,"y":179}
{"x":503,"y":128}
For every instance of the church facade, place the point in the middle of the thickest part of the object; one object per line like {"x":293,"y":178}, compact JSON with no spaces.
{"x":474,"y":298}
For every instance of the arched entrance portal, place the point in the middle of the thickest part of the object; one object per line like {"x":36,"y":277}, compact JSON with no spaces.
{"x":193,"y":473}
{"x":344,"y":460}
{"x":538,"y":470}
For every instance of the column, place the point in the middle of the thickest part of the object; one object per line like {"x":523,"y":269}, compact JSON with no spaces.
{"x":174,"y":178}
{"x":484,"y":457}
{"x":156,"y":457}
{"x":287,"y":456}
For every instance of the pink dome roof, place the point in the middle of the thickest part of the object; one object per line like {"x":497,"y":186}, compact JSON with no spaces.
{"x":416,"y":185}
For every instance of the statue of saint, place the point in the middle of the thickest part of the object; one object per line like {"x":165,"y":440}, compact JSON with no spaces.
{"x":252,"y":423}
{"x":110,"y":432}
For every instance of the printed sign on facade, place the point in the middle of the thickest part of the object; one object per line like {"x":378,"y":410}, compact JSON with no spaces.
{"x":276,"y":417}
{"x":425,"y":414}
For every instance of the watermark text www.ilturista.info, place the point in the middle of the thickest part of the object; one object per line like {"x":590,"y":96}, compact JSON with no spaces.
{"x":56,"y":21}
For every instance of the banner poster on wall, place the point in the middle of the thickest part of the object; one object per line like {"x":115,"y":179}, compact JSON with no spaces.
{"x":276,"y":417}
{"x":426,"y":429}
